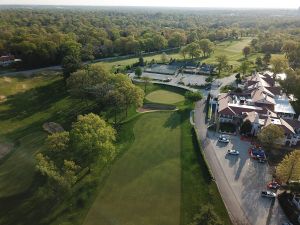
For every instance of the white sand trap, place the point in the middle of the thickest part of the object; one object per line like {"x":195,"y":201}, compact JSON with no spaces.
{"x":7,"y":79}
{"x":52,"y":127}
{"x":5,"y":149}
{"x":2,"y":98}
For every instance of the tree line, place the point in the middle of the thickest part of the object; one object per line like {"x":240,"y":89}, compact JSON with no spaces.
{"x":43,"y":36}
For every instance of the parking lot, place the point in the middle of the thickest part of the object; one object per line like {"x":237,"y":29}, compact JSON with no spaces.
{"x":247,"y":178}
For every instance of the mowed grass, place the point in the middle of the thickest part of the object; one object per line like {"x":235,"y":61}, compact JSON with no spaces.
{"x":164,"y":97}
{"x":232,"y":49}
{"x":144,"y":184}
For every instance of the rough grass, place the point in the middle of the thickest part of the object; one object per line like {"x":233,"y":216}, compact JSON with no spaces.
{"x":144,"y":184}
{"x":21,"y":119}
{"x":164,"y":97}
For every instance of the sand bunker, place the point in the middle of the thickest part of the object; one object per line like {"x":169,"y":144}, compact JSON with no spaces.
{"x":2,"y":98}
{"x":5,"y":149}
{"x":52,"y":127}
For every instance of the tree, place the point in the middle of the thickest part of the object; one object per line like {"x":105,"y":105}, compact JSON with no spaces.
{"x":271,"y":135}
{"x":164,"y":57}
{"x":246,"y":51}
{"x":82,"y":82}
{"x":206,"y":46}
{"x":60,"y":179}
{"x":141,"y":61}
{"x":146,"y":81}
{"x":138,"y":72}
{"x":244,"y":67}
{"x":222,"y":61}
{"x":246,"y":127}
{"x":258,"y":62}
{"x":193,"y":50}
{"x":92,"y":139}
{"x":183,"y":52}
{"x":209,"y":79}
{"x":70,"y":64}
{"x":124,"y":88}
{"x":206,"y":217}
{"x":289,"y":168}
{"x":267,"y":58}
{"x":58,"y":142}
{"x":191,"y":96}
{"x":279,"y":64}
{"x":177,"y":39}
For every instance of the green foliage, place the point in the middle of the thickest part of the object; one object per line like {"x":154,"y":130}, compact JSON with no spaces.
{"x":246,"y":127}
{"x":207,"y":216}
{"x":70,"y":64}
{"x":177,"y":39}
{"x":165,"y":58}
{"x":244,"y":67}
{"x":92,"y":139}
{"x":138,"y":72}
{"x":289,"y":168}
{"x":246,"y":51}
{"x":271,"y":135}
{"x":193,"y":96}
{"x":279,"y":64}
{"x":222,"y":61}
{"x":206,"y":47}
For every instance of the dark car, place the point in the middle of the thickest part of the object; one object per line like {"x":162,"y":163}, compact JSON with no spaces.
{"x":273,"y":185}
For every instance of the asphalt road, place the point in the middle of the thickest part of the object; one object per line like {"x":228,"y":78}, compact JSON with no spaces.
{"x":239,"y":178}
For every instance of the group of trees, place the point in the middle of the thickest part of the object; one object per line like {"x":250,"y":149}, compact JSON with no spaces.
{"x":114,"y":92}
{"x":68,"y":154}
{"x":196,"y":48}
{"x":38,"y":36}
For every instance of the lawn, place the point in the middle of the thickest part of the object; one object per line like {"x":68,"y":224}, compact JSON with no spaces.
{"x":164,"y":97}
{"x":232,"y":49}
{"x":158,"y":178}
{"x":161,"y":178}
{"x":144,"y":184}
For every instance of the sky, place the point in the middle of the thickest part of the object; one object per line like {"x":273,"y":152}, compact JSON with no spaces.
{"x":167,"y":3}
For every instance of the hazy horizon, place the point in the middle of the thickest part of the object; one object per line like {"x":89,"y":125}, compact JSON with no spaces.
{"x":255,"y":4}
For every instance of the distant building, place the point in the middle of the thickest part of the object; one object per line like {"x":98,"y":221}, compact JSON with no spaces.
{"x":7,"y":60}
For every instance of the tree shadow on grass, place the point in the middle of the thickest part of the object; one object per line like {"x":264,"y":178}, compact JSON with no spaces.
{"x":26,"y":104}
{"x":176,"y":118}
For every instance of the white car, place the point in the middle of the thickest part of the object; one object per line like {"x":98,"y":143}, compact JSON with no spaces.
{"x":268,"y":194}
{"x":233,"y":152}
{"x":223,"y":139}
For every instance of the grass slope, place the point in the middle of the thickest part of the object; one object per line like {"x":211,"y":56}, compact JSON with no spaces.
{"x":144,"y":184}
{"x":164,"y":97}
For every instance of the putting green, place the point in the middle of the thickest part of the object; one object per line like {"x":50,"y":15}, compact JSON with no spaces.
{"x":164,"y":97}
{"x":144,"y":184}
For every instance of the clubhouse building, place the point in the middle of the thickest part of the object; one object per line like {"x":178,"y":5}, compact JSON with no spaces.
{"x":262,"y":102}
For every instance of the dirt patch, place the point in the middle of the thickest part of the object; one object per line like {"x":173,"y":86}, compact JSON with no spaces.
{"x":7,"y":79}
{"x":5,"y":149}
{"x":2,"y":98}
{"x":52,"y":127}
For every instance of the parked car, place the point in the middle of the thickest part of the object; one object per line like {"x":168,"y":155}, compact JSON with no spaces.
{"x":268,"y":194}
{"x":273,"y":185}
{"x":223,"y":139}
{"x":233,"y":152}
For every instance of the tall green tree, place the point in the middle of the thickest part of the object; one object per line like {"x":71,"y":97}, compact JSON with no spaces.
{"x":271,"y":135}
{"x":206,"y":47}
{"x":92,"y":140}
{"x":246,"y":51}
{"x":222,"y":61}
{"x":279,"y":64}
{"x":289,"y":168}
